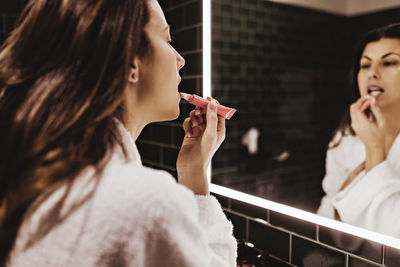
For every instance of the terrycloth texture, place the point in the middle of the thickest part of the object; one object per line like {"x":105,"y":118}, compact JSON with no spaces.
{"x":372,"y":200}
{"x":137,"y":217}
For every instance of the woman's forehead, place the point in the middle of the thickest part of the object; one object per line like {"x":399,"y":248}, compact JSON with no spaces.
{"x":382,"y":47}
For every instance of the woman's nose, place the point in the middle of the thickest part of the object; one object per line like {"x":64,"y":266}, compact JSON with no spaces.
{"x":181,"y":61}
{"x":373,"y":72}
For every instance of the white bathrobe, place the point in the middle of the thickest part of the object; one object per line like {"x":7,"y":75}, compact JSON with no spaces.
{"x":137,"y":217}
{"x":372,"y":200}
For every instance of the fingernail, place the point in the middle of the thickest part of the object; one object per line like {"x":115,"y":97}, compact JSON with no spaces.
{"x":189,"y":134}
{"x":197,"y":112}
{"x":213,"y":105}
{"x":194,"y":123}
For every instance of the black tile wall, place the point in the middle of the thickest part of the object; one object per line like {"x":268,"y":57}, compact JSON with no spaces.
{"x":298,"y":226}
{"x":392,"y":257}
{"x":310,"y":254}
{"x":292,"y":242}
{"x":264,"y":237}
{"x":358,"y":246}
{"x":185,"y":20}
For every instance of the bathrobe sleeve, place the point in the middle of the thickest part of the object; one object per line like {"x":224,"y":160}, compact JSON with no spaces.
{"x":185,"y":230}
{"x":335,"y":174}
{"x":372,"y":201}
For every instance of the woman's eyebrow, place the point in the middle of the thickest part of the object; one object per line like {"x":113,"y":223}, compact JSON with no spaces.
{"x":391,"y":53}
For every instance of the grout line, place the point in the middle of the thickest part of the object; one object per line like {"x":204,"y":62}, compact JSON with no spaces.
{"x":290,"y":247}
{"x":158,"y":144}
{"x":247,"y":230}
{"x":383,"y":254}
{"x":179,"y":5}
{"x":184,"y":28}
{"x":191,"y":52}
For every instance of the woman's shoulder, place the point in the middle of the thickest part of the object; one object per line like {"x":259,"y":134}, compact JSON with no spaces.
{"x":132,"y":185}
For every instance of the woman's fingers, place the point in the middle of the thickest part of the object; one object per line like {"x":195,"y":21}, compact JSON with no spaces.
{"x":380,"y":120}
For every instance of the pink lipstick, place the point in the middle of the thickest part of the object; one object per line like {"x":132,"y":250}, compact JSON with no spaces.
{"x":198,"y":101}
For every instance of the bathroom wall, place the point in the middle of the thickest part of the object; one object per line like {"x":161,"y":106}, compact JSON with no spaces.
{"x":159,"y":143}
{"x":285,"y":241}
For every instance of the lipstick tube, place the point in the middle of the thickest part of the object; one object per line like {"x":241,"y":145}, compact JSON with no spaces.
{"x":198,"y":101}
{"x":367,"y":102}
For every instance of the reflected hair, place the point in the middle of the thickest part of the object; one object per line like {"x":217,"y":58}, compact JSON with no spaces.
{"x":63,"y":72}
{"x":389,"y":31}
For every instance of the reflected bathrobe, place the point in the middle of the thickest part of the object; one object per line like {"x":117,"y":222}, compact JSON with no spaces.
{"x":372,"y":200}
{"x":136,"y":216}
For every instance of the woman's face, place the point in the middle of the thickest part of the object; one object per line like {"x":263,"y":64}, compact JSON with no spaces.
{"x":380,"y":71}
{"x":159,"y":70}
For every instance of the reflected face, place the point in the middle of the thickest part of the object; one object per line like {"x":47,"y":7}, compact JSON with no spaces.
{"x":159,"y":74}
{"x":380,"y":71}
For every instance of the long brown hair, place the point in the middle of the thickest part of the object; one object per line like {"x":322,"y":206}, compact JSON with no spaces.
{"x":389,"y":31}
{"x":63,"y":71}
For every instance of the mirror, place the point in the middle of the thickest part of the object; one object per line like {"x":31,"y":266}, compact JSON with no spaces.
{"x":285,"y":66}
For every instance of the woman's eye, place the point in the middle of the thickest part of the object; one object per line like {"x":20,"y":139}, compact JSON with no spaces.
{"x":389,"y":63}
{"x":364,"y":66}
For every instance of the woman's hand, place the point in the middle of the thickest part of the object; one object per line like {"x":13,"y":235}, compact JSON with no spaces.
{"x":371,"y":130}
{"x":204,"y":133}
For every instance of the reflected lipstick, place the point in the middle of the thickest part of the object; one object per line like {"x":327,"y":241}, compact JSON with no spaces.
{"x":198,"y":101}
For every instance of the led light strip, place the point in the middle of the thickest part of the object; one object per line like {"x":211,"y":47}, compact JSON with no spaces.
{"x":304,"y":215}
{"x":207,"y":57}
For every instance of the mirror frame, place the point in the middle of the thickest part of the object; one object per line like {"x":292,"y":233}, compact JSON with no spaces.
{"x":261,"y":202}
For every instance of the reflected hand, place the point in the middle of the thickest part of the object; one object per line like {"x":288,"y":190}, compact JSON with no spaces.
{"x":204,"y":133}
{"x":371,"y":130}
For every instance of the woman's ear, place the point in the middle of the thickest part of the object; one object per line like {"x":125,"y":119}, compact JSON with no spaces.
{"x":134,"y":72}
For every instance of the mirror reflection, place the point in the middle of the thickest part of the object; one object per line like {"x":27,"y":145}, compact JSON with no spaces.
{"x":292,"y":73}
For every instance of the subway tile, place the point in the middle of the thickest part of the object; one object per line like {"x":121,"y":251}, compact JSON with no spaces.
{"x":355,"y":262}
{"x":188,"y":86}
{"x":10,"y":6}
{"x":392,"y":257}
{"x":175,"y":18}
{"x":301,"y":227}
{"x":185,"y":40}
{"x":248,"y":209}
{"x":359,"y":246}
{"x":193,"y":64}
{"x":193,"y":13}
{"x":147,"y":133}
{"x":309,"y":254}
{"x":239,"y":225}
{"x":149,"y":152}
{"x":169,"y":156}
{"x":177,"y":135}
{"x":278,"y":263}
{"x":162,"y":133}
{"x":274,"y":241}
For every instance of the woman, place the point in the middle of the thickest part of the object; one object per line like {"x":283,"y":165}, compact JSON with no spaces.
{"x":362,"y":182}
{"x":78,"y":82}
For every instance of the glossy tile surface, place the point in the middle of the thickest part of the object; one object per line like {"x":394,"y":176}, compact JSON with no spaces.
{"x":309,"y":254}
{"x":264,"y":237}
{"x":356,"y":245}
{"x":301,"y":227}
